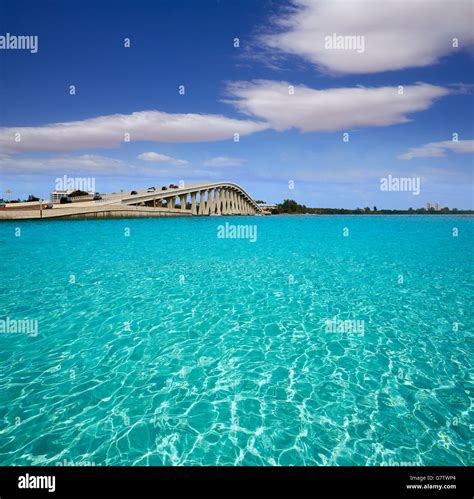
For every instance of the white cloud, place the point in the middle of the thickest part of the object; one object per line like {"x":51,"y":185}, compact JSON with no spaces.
{"x":224,"y":161}
{"x":397,"y":34}
{"x":94,"y":165}
{"x":155,"y":157}
{"x":63,"y":164}
{"x":86,"y":164}
{"x":313,"y":110}
{"x":267,"y":103}
{"x":108,"y":131}
{"x":439,"y":149}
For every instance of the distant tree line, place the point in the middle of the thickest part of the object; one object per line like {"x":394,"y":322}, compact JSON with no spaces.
{"x":32,"y":197}
{"x":291,"y":207}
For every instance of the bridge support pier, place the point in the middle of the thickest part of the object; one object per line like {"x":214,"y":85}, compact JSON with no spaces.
{"x":201,"y":203}
{"x":232,"y":202}
{"x":228,"y":202}
{"x":206,"y":202}
{"x":218,"y":202}
{"x":210,"y":201}
{"x":222,"y":201}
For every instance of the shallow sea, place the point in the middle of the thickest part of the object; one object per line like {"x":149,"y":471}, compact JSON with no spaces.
{"x":172,"y":346}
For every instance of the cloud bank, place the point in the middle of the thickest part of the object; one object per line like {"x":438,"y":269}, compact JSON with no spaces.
{"x":397,"y":34}
{"x":269,"y":104}
{"x":312,"y":110}
{"x":439,"y":149}
{"x":105,"y":132}
{"x":87,"y":163}
{"x":155,"y":157}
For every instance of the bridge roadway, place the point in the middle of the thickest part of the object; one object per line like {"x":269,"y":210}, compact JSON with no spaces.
{"x":217,"y":198}
{"x":198,"y":199}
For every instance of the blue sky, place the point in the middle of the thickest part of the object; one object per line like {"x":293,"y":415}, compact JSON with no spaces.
{"x":291,"y":146}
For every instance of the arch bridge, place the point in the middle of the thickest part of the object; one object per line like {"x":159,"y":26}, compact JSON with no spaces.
{"x":218,"y":198}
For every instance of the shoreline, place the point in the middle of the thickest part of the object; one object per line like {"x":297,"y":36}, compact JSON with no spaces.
{"x":130,"y":216}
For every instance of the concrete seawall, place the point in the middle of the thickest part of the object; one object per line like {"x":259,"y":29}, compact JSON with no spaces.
{"x":100,"y":211}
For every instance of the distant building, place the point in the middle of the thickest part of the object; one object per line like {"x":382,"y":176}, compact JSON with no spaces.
{"x":55,"y":196}
{"x":267,"y":209}
{"x":428,"y":206}
{"x":437,"y":207}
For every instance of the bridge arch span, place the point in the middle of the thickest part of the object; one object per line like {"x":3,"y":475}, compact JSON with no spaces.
{"x":201,"y":199}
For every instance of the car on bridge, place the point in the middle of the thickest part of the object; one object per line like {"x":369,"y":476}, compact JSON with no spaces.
{"x":151,"y":189}
{"x":133,"y":193}
{"x":164,"y":188}
{"x":97,"y":197}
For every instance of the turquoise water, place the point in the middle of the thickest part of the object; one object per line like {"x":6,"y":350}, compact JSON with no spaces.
{"x":175,"y":347}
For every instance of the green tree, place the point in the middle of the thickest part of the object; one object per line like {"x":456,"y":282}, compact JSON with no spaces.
{"x":290,"y":206}
{"x":78,"y":193}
